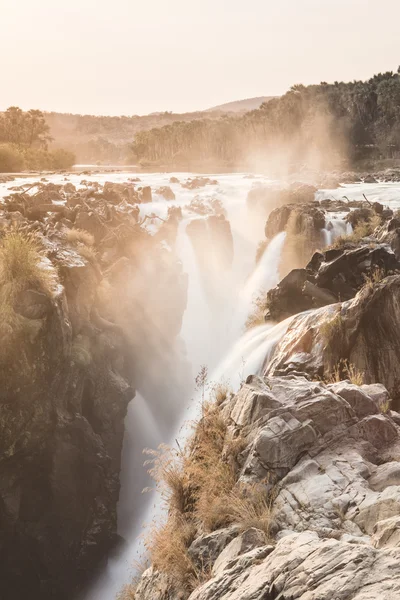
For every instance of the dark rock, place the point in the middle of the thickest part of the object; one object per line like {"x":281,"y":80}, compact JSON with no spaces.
{"x":370,"y":179}
{"x":359,"y":215}
{"x":306,"y":219}
{"x":166,"y":192}
{"x":330,"y":276}
{"x":145,"y":194}
{"x":377,"y":207}
{"x":32,"y":304}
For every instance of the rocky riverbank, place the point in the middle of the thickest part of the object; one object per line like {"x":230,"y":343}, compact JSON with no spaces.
{"x":290,"y":488}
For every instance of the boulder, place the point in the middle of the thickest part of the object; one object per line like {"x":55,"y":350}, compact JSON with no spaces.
{"x":166,"y":192}
{"x":145,"y":194}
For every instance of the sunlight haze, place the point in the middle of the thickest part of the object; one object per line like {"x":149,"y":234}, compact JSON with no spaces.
{"x":129,"y":57}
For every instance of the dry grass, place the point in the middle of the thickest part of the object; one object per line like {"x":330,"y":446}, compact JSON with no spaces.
{"x":345,"y":371}
{"x":362,"y":230}
{"x":88,"y":252}
{"x":384,"y":406}
{"x":330,"y":330}
{"x":377,"y":275}
{"x":20,"y":269}
{"x":128,"y":592}
{"x":250,"y":506}
{"x":259,"y":307}
{"x":221,"y":392}
{"x":199,"y":485}
{"x":79,"y":236}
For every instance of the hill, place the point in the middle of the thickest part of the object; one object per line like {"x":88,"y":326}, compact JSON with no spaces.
{"x":241,"y":105}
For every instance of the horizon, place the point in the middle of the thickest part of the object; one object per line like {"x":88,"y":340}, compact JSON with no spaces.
{"x":158,"y":58}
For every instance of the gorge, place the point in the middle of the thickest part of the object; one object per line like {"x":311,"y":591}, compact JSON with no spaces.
{"x":155,"y":291}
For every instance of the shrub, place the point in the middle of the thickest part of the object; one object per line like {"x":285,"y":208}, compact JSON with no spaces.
{"x":38,"y":159}
{"x":62,"y":159}
{"x":11,"y":160}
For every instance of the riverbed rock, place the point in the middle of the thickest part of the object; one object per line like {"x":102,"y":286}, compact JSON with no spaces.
{"x":166,"y":192}
{"x":330,"y":276}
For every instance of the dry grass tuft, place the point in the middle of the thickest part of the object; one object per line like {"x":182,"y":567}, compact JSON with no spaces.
{"x":221,"y":392}
{"x":330,"y":330}
{"x":343,"y":371}
{"x":199,"y":485}
{"x":259,"y":308}
{"x":88,"y":252}
{"x":20,"y":269}
{"x":377,"y":275}
{"x":362,"y":230}
{"x":79,"y":236}
{"x":384,"y":406}
{"x":250,"y":506}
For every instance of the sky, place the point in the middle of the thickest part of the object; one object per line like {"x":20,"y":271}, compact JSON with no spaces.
{"x":137,"y":57}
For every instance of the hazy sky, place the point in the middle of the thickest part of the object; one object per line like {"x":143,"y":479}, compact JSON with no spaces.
{"x":136,"y":57}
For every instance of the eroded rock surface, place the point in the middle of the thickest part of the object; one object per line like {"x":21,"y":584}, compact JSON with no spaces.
{"x":331,"y":457}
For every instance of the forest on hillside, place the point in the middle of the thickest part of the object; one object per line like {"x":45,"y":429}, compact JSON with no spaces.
{"x":325,"y":125}
{"x":106,"y":139}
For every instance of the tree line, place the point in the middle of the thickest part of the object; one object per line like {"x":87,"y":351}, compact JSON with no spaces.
{"x":24,"y":143}
{"x":335,"y":121}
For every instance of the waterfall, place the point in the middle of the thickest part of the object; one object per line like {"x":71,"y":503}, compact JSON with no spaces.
{"x":212,"y":333}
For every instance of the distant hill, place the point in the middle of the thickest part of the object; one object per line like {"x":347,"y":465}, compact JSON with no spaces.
{"x":241,"y":105}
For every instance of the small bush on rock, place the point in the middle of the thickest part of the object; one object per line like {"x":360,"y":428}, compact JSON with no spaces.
{"x":345,"y":371}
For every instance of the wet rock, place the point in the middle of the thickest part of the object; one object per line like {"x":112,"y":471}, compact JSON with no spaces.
{"x":198,"y":182}
{"x":331,"y":275}
{"x":32,"y":304}
{"x":307,"y":219}
{"x":166,"y":192}
{"x":370,"y":179}
{"x":145,"y":194}
{"x":92,"y":223}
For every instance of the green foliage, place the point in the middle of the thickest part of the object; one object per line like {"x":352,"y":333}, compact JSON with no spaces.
{"x":24,"y":129}
{"x":338,"y":119}
{"x":24,"y":138}
{"x":11,"y":160}
{"x":62,"y":159}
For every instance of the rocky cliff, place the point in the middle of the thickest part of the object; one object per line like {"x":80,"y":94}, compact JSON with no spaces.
{"x":290,"y":488}
{"x":75,"y":268}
